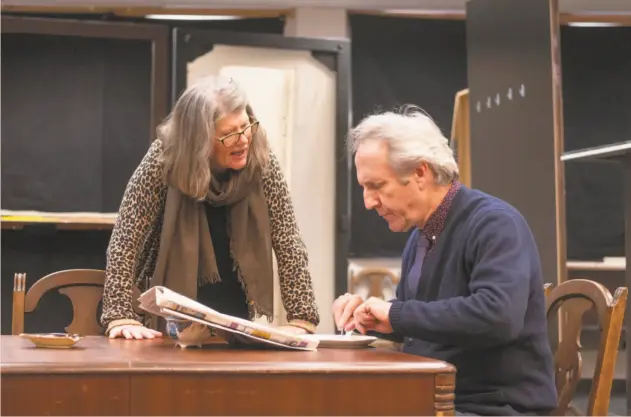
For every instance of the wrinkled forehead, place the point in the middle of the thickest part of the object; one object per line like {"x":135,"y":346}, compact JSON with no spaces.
{"x":232,"y":122}
{"x":373,"y":163}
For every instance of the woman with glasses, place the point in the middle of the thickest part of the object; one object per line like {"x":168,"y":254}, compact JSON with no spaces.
{"x":201,"y":215}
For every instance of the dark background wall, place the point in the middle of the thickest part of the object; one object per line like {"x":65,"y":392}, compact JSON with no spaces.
{"x":398,"y":61}
{"x":597,"y":110}
{"x":428,"y":66}
{"x":75,"y":120}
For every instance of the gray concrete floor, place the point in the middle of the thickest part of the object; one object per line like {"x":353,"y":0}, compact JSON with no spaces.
{"x":618,"y":401}
{"x":617,"y":404}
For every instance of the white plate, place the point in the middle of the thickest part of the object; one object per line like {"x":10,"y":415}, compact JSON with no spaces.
{"x":341,"y":341}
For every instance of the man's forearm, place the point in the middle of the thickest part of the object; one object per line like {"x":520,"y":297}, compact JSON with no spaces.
{"x":471,"y":321}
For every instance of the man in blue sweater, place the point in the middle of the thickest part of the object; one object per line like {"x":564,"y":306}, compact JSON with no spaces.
{"x":471,"y":288}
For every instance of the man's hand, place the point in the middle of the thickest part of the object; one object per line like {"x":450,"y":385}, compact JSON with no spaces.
{"x":132,"y":331}
{"x":343,"y":309}
{"x":374,"y":314}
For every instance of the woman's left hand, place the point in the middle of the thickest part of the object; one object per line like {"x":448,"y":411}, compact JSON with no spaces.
{"x":292,"y":329}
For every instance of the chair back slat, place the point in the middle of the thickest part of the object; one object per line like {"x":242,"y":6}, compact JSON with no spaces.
{"x":376,"y":278}
{"x":84,"y":289}
{"x":67,"y":278}
{"x":19,"y":288}
{"x":572,"y":299}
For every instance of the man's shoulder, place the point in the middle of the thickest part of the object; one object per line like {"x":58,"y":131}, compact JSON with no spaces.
{"x":480,"y":205}
{"x":488,"y":217}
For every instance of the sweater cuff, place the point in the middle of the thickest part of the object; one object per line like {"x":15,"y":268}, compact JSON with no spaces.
{"x":395,"y":316}
{"x":121,"y":322}
{"x":309,"y":327}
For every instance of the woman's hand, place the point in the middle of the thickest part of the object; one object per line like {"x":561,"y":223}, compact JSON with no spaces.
{"x":133,"y":331}
{"x":292,"y":329}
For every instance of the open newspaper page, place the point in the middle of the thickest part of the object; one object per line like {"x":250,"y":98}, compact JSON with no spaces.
{"x":166,"y":303}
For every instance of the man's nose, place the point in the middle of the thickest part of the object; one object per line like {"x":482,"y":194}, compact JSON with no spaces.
{"x":370,"y":201}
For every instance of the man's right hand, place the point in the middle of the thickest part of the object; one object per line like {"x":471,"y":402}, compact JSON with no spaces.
{"x":133,"y":331}
{"x":343,"y":309}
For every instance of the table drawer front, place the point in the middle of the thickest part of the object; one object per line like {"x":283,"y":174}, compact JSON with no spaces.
{"x":65,"y":394}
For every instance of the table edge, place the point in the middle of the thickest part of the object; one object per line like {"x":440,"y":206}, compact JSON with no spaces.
{"x":398,"y":369}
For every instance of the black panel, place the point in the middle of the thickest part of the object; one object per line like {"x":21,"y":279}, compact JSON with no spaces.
{"x":597,"y":111}
{"x":74,"y":120}
{"x":126,"y":111}
{"x":416,"y":61}
{"x":512,"y":143}
{"x":52,"y":105}
{"x":596,"y":63}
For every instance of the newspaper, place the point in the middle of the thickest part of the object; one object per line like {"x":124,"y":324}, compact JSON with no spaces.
{"x":163,"y":302}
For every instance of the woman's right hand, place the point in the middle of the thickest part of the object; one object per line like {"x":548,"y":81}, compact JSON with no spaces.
{"x":133,"y":331}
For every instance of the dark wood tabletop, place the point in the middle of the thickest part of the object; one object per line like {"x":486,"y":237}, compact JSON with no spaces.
{"x":149,"y":377}
{"x":100,"y":354}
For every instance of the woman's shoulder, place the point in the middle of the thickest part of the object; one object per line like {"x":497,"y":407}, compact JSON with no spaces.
{"x":272,"y":170}
{"x":152,"y":161}
{"x":155,"y":151}
{"x":148,"y":174}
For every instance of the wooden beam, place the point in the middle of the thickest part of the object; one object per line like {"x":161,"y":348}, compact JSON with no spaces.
{"x":143,"y":11}
{"x":620,"y":18}
{"x":420,"y":14}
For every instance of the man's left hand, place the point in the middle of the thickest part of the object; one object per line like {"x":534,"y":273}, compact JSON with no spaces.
{"x":373,"y":314}
{"x":292,"y":329}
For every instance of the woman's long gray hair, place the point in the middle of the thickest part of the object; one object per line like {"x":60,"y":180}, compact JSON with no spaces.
{"x":188,"y":133}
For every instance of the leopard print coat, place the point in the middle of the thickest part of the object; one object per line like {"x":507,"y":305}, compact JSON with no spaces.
{"x":135,"y":240}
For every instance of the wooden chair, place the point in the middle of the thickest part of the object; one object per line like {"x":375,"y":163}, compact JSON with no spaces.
{"x":84,"y":288}
{"x":376,"y":278}
{"x":574,"y":298}
{"x":461,"y":135}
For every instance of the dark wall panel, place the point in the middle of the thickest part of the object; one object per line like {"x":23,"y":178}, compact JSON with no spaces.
{"x":596,"y":63}
{"x":51,"y":123}
{"x":397,"y":61}
{"x":597,"y":110}
{"x":512,"y":124}
{"x":75,"y":120}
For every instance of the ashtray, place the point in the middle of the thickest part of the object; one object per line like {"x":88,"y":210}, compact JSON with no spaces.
{"x":52,"y":340}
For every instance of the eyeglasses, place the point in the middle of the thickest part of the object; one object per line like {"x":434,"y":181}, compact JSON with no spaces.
{"x":230,"y":140}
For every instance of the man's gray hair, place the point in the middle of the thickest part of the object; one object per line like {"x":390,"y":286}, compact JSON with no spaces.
{"x":412,"y":138}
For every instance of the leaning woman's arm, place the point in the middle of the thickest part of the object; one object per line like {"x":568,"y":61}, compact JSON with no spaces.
{"x":138,"y":212}
{"x":295,"y":281}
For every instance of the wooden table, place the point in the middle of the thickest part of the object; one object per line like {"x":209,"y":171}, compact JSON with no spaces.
{"x":152,"y":377}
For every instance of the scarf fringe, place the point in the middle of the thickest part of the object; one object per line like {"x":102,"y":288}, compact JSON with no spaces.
{"x":254,"y":308}
{"x":215,"y":278}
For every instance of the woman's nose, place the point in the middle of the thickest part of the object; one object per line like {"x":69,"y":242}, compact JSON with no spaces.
{"x":243,"y":137}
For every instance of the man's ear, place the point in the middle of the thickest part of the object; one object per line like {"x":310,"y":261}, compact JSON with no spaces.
{"x":420,"y":174}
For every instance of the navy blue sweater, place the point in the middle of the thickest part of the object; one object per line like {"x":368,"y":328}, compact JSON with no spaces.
{"x":482,"y":308}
